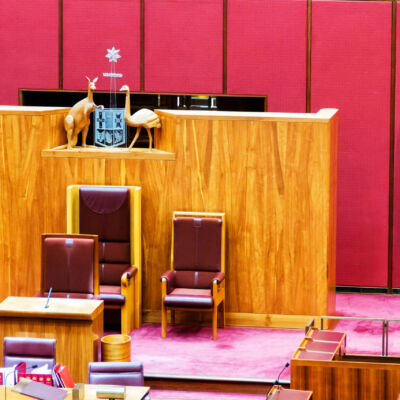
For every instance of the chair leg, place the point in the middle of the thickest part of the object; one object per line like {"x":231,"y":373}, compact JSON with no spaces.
{"x":214,"y":322}
{"x":221,"y":310}
{"x":163,"y":320}
{"x":172,"y":317}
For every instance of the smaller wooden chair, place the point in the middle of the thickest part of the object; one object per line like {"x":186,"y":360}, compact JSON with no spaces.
{"x":196,"y":281}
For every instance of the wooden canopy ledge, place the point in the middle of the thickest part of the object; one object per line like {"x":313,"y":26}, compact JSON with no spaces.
{"x":119,"y":153}
{"x":31,"y":110}
{"x":323,"y":115}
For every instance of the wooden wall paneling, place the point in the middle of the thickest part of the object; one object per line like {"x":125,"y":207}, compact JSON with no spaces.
{"x":23,"y":134}
{"x":227,"y":165}
{"x":272,"y":176}
{"x":351,"y":71}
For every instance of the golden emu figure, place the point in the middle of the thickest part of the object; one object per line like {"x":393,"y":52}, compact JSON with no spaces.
{"x":144,"y":118}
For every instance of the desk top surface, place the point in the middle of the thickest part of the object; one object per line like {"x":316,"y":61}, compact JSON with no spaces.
{"x":59,"y":308}
{"x":133,"y":393}
{"x":278,"y":393}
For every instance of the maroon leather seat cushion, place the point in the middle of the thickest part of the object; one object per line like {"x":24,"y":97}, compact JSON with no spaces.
{"x":116,"y":373}
{"x":30,"y":350}
{"x":189,"y":298}
{"x":111,"y":294}
{"x":68,"y":265}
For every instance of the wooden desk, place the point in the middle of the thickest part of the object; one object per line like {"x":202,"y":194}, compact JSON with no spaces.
{"x":279,"y":393}
{"x":133,"y":393}
{"x":334,"y":375}
{"x":76,"y":324}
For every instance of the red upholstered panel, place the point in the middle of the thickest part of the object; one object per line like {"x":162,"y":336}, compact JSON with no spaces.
{"x":267,"y":51}
{"x":68,"y":264}
{"x":92,"y":27}
{"x":197,"y":244}
{"x":29,"y":43}
{"x":396,"y":210}
{"x":183,"y":46}
{"x":351,"y":71}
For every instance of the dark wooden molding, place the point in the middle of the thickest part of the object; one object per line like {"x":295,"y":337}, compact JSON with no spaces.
{"x":60,"y":44}
{"x":392,"y":145}
{"x":308,"y":56}
{"x":142,"y":44}
{"x":225,"y":48}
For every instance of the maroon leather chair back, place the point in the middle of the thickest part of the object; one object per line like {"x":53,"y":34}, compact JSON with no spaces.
{"x":116,"y":373}
{"x":197,"y":251}
{"x":30,"y":350}
{"x":68,"y":265}
{"x":105,"y":211}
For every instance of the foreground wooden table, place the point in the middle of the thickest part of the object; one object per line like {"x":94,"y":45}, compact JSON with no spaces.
{"x":133,"y":393}
{"x":76,"y":324}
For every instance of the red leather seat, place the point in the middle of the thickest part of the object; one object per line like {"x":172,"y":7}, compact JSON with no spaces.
{"x":116,"y":373}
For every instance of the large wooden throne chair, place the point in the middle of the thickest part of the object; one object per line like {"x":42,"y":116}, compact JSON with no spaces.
{"x":196,"y":280}
{"x":114,"y":214}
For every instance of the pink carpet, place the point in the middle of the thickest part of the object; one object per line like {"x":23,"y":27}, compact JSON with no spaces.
{"x":238,"y":352}
{"x":256,"y":352}
{"x":365,"y":337}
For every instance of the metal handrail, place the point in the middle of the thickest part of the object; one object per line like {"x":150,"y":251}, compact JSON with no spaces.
{"x":385,"y":328}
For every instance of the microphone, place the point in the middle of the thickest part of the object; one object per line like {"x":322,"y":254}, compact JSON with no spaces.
{"x":16,"y":369}
{"x":48,"y":298}
{"x":271,"y":396}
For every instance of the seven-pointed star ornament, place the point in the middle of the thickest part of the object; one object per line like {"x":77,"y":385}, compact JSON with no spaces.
{"x":113,"y":54}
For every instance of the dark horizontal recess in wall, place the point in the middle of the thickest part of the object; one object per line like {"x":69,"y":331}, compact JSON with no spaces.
{"x":172,"y":101}
{"x":365,"y":290}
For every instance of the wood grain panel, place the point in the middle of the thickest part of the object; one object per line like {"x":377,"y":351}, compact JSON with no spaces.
{"x":79,"y":335}
{"x":358,"y":378}
{"x":23,"y":131}
{"x":274,"y":175}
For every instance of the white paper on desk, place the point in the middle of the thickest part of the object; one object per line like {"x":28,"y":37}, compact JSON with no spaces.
{"x":8,"y":373}
{"x":44,"y":369}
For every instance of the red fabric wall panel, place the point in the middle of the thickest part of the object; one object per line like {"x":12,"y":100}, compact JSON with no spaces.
{"x":267,"y":51}
{"x":396,"y":189}
{"x":183,"y":46}
{"x":92,"y":27}
{"x":29,"y":43}
{"x":351,"y":45}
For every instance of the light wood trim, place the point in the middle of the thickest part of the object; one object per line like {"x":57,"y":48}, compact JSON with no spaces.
{"x":109,"y":153}
{"x":95,"y":238}
{"x":164,"y":309}
{"x":32,"y":110}
{"x":250,"y":320}
{"x":323,"y":115}
{"x":136,"y":250}
{"x":73,"y":209}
